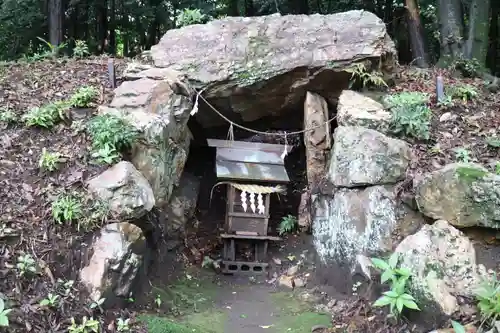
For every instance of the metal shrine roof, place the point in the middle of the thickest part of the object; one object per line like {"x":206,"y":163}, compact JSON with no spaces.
{"x":249,"y":161}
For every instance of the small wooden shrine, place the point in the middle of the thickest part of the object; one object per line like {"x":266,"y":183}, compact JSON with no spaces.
{"x":252,"y":172}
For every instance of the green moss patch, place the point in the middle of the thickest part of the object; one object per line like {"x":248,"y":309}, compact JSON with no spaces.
{"x":470,"y":174}
{"x":296,"y":316}
{"x":157,"y":324}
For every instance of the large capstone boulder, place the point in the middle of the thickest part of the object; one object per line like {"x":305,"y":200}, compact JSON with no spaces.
{"x":158,"y":104}
{"x":125,"y":190}
{"x":114,"y":261}
{"x":251,"y":67}
{"x":356,"y":109}
{"x":443,"y":263}
{"x":354,"y":222}
{"x":362,"y":157}
{"x":464,"y":194}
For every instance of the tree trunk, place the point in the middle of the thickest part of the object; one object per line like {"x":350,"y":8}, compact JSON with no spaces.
{"x":369,"y":5}
{"x":112,"y":28}
{"x":55,"y":22}
{"x":476,"y":46}
{"x":380,"y":8}
{"x":451,"y":30}
{"x":416,"y":37}
{"x":302,"y":6}
{"x":388,"y":15}
{"x":102,"y":24}
{"x":232,"y":8}
{"x":494,"y":50}
{"x":73,"y":31}
{"x":249,"y":8}
{"x":319,"y":7}
{"x":152,"y":29}
{"x":85,"y":35}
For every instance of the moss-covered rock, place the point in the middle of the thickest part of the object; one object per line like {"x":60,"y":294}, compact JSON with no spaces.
{"x":362,"y":156}
{"x":464,"y":194}
{"x":443,"y":263}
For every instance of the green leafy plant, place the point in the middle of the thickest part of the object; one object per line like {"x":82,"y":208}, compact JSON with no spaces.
{"x":66,"y":208}
{"x":488,"y":297}
{"x":359,"y":73}
{"x":88,"y":325}
{"x":46,"y":116}
{"x":7,"y":116}
{"x":407,"y":98}
{"x":410,"y":114}
{"x":397,"y":298}
{"x":83,"y":97}
{"x":447,"y":101}
{"x":40,"y":116}
{"x":457,"y":327}
{"x":190,"y":16}
{"x":59,"y":109}
{"x":51,"y":300}
{"x":158,"y":301}
{"x":110,"y":135}
{"x":464,"y":92}
{"x":4,"y":314}
{"x":468,"y":67}
{"x":49,"y":161}
{"x":98,"y":304}
{"x":106,"y":155}
{"x":6,"y":231}
{"x":497,"y":168}
{"x":123,"y":325}
{"x":54,"y":50}
{"x":81,"y":49}
{"x":288,"y":224}
{"x":462,"y":155}
{"x":65,"y":287}
{"x":26,"y":265}
{"x":493,"y":141}
{"x":412,"y":121}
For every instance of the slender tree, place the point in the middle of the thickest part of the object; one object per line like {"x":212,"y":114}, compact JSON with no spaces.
{"x":476,"y":45}
{"x":416,"y":35}
{"x":450,"y":29}
{"x":56,"y":20}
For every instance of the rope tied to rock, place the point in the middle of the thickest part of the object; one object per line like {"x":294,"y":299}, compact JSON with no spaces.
{"x":232,"y":124}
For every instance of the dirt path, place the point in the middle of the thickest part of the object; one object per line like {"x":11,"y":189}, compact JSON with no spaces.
{"x":253,"y":307}
{"x":206,"y":302}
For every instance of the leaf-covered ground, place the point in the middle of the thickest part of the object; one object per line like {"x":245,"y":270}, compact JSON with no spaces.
{"x":26,"y":193}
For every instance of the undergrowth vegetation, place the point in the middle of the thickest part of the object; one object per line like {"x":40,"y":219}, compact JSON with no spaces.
{"x":7,"y":116}
{"x":288,"y":225}
{"x":488,"y":298}
{"x":411,"y":115}
{"x":4,"y":314}
{"x":48,"y":115}
{"x":397,"y":297}
{"x":49,"y":161}
{"x":110,"y":136}
{"x":80,"y":210}
{"x":364,"y":77}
